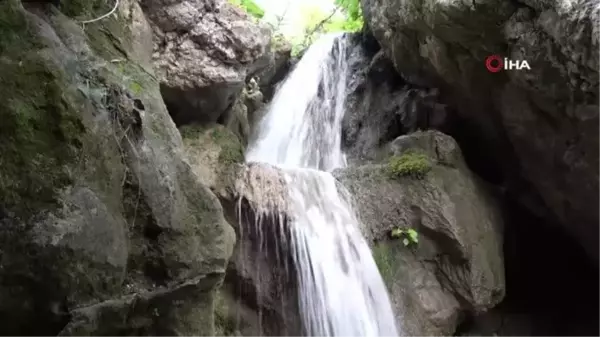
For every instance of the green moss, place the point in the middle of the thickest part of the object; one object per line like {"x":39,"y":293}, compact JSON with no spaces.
{"x":224,"y":325}
{"x":192,"y":131}
{"x":231,"y":149}
{"x":108,"y":39}
{"x":17,"y":34}
{"x":135,"y":87}
{"x":40,"y":132}
{"x":85,"y":9}
{"x":382,"y":255}
{"x":412,"y":164}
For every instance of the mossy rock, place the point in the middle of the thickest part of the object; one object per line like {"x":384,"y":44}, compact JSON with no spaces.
{"x":410,"y":164}
{"x":85,"y":9}
{"x":231,"y":150}
{"x":50,"y":252}
{"x":224,"y":324}
{"x":386,"y":262}
{"x":41,"y":131}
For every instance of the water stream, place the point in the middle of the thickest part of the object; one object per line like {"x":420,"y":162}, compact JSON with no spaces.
{"x":341,"y":291}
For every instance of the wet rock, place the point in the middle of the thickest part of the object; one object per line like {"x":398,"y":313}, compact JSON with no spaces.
{"x":254,"y":100}
{"x":457,"y":265}
{"x":203,"y":52}
{"x":246,"y":112}
{"x":259,"y":294}
{"x":278,"y":68}
{"x":536,"y":127}
{"x":102,"y":219}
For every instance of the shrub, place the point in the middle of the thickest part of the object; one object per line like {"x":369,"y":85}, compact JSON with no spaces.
{"x":411,"y":164}
{"x":409,"y":236}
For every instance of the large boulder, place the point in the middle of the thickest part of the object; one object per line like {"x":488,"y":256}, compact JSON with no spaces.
{"x":104,"y":227}
{"x":538,"y":126}
{"x":456,"y":267}
{"x":204,"y":51}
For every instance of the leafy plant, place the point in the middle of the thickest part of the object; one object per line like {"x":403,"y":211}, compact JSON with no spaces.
{"x":412,"y":164}
{"x":250,"y":7}
{"x":352,"y":8}
{"x":409,"y":236}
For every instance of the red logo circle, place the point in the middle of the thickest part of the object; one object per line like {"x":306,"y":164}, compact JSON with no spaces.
{"x":494,"y":63}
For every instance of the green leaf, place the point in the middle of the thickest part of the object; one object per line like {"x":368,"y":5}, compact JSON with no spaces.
{"x":414,"y":236}
{"x":396,"y":232}
{"x":250,"y":7}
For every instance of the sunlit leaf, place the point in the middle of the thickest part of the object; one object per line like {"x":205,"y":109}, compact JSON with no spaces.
{"x":414,"y":236}
{"x":396,"y":232}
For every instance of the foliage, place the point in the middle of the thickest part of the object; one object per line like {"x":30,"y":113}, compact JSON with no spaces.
{"x":409,"y":236}
{"x":250,"y":7}
{"x":353,"y":18}
{"x":347,"y":17}
{"x":411,"y":164}
{"x":352,"y":9}
{"x":343,"y":25}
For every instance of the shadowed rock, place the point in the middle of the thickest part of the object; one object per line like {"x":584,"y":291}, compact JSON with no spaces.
{"x":457,"y":265}
{"x":381,"y":105}
{"x":536,"y":127}
{"x":100,"y":213}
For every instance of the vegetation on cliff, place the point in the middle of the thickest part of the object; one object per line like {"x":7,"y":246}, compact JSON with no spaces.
{"x":409,"y":236}
{"x":250,"y":7}
{"x":346,"y":16}
{"x":411,"y":164}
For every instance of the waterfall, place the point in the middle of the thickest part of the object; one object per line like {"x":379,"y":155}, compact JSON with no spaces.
{"x":341,"y":292}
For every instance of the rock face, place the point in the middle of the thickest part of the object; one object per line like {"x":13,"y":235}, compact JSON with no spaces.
{"x":203,"y":52}
{"x":261,"y":274}
{"x":259,"y":294}
{"x":104,"y":227}
{"x":381,"y":106}
{"x":538,"y":126}
{"x":457,"y":266}
{"x":246,"y":112}
{"x":278,"y":68}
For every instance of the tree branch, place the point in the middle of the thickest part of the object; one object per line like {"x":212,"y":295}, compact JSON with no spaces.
{"x":320,"y":24}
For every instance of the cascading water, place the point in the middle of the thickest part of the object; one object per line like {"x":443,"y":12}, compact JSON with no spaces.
{"x":341,"y":292}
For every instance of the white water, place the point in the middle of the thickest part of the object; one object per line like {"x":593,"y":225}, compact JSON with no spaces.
{"x":341,"y":291}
